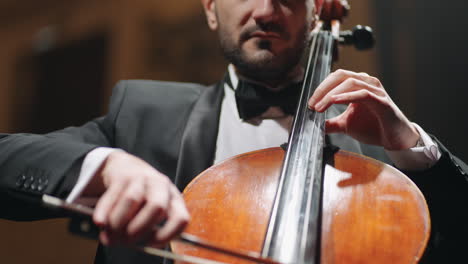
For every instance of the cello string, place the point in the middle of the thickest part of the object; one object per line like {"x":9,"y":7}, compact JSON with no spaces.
{"x":310,"y":240}
{"x":306,"y":139}
{"x":268,"y":243}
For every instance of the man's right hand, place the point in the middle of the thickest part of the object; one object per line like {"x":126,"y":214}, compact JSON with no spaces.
{"x":136,"y":199}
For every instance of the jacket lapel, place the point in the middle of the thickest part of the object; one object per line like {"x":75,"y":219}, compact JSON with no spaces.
{"x":199,"y":139}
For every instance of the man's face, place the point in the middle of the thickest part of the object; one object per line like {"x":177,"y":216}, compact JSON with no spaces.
{"x":264,"y":39}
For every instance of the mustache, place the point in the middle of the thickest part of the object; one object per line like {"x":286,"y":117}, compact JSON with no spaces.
{"x":265,"y":27}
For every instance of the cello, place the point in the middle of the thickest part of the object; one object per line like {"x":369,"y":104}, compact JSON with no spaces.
{"x":311,"y":203}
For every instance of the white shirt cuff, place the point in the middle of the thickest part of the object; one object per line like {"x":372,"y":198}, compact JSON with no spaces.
{"x":91,"y":164}
{"x":419,"y":157}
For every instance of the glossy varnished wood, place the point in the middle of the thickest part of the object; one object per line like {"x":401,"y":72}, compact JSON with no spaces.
{"x":230,"y":203}
{"x":371,"y":213}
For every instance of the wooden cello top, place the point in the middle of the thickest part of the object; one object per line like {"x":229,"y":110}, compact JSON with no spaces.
{"x":372,"y":213}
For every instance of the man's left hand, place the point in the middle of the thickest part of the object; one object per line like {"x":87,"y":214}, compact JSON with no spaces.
{"x":371,"y":116}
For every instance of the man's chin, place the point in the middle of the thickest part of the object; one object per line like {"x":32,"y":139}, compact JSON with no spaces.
{"x":262,"y":66}
{"x":260,"y":63}
{"x":260,"y":58}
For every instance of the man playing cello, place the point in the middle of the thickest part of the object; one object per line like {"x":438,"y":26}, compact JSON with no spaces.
{"x":157,"y":136}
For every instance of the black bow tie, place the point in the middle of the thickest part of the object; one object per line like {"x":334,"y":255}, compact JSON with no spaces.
{"x":253,"y":100}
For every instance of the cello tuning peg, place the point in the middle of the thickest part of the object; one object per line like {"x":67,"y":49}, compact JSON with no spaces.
{"x":361,"y":37}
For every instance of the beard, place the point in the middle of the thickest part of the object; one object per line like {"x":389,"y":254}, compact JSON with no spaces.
{"x":263,"y":65}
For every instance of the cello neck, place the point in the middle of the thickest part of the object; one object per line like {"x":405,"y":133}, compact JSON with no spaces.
{"x":293,"y":232}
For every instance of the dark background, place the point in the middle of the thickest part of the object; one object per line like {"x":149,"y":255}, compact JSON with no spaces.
{"x":60,"y":59}
{"x":423,"y":61}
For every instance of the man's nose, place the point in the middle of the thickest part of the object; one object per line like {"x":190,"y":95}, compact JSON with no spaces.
{"x":264,"y":10}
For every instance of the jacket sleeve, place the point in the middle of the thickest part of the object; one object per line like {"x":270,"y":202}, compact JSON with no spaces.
{"x":32,"y":165}
{"x":445,"y":187}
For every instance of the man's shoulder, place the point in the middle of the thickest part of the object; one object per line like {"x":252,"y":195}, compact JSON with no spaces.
{"x":146,"y":95}
{"x":151,"y":87}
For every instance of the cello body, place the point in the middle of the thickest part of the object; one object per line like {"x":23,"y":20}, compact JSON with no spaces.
{"x":371,"y":212}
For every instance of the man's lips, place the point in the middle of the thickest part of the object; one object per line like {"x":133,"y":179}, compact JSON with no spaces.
{"x":266,"y":35}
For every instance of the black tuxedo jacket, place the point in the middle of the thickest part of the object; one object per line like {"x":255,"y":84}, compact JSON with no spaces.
{"x":173,"y":126}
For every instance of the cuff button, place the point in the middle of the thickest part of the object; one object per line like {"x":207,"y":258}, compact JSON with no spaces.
{"x":20,"y":180}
